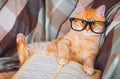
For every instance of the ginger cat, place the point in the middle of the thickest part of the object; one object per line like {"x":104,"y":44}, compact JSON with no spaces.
{"x":80,"y":44}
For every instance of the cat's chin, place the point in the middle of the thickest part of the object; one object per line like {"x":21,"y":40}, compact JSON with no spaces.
{"x":88,"y":33}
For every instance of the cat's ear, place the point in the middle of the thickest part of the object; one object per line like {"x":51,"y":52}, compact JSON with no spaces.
{"x":79,"y":7}
{"x":101,"y":10}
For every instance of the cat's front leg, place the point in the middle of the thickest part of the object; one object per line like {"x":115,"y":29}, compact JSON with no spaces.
{"x":63,"y":52}
{"x":88,"y":66}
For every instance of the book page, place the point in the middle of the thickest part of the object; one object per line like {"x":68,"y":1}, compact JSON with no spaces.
{"x":74,"y":70}
{"x":44,"y":67}
{"x":37,"y":67}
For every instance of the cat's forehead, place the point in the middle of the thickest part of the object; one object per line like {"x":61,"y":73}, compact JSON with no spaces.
{"x":90,"y":15}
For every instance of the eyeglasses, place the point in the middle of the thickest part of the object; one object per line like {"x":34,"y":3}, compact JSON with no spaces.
{"x":97,"y":27}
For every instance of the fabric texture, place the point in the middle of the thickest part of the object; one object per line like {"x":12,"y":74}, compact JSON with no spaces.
{"x":112,"y":68}
{"x":15,"y":17}
{"x":104,"y":52}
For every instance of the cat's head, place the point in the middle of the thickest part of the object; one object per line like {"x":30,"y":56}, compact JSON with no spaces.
{"x":89,"y":21}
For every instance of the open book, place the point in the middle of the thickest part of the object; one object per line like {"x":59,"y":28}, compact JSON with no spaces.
{"x":43,"y":67}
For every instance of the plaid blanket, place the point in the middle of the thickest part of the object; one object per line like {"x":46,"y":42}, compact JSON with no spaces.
{"x":15,"y":17}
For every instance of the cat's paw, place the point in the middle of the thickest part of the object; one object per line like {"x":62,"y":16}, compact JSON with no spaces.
{"x":20,"y":38}
{"x":62,"y":61}
{"x":63,"y":58}
{"x":89,"y":70}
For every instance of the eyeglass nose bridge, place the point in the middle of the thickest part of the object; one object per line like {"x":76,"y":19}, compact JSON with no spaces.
{"x":88,"y":25}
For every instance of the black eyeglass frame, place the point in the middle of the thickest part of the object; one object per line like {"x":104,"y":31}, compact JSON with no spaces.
{"x":90,"y":23}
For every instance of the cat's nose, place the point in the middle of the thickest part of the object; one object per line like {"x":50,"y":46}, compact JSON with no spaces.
{"x":87,"y":28}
